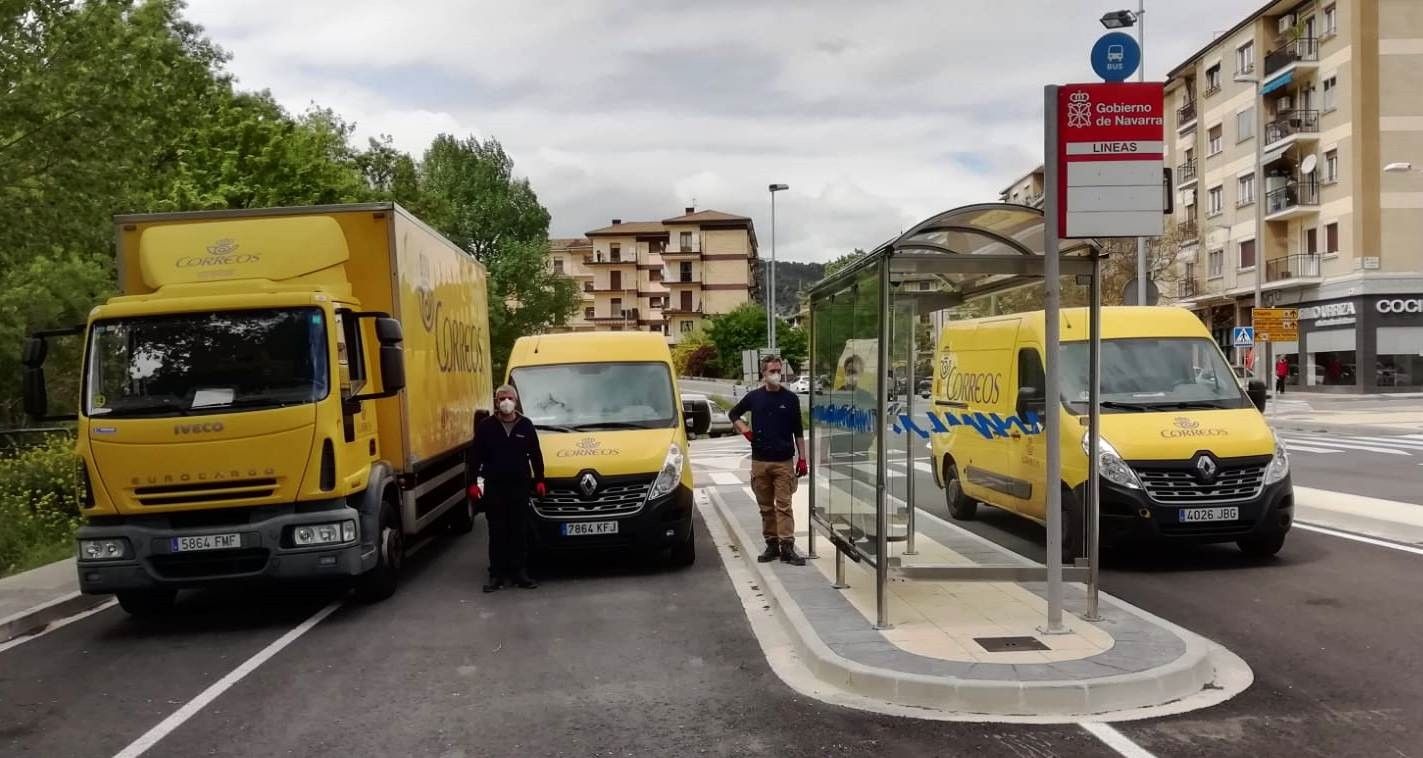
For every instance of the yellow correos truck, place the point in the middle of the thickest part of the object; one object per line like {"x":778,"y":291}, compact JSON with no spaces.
{"x":610,"y":423}
{"x":282,"y":393}
{"x":1185,"y":455}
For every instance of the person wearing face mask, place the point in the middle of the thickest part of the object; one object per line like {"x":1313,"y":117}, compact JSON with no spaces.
{"x":506,"y":454}
{"x":777,"y":457}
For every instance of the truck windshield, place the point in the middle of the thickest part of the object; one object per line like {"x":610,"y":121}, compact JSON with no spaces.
{"x":201,"y":363}
{"x":581,"y":397}
{"x":1152,"y":374}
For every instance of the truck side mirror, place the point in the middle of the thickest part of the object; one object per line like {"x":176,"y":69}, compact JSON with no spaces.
{"x":392,"y":369}
{"x":1257,"y":394}
{"x":32,"y":380}
{"x":36,"y":349}
{"x":389,"y":331}
{"x":36,"y":396}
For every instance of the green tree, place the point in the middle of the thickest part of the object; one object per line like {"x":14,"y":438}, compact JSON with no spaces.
{"x":834,"y":266}
{"x":469,"y":192}
{"x":525,"y":297}
{"x":793,"y":344}
{"x":742,"y":329}
{"x":693,"y":344}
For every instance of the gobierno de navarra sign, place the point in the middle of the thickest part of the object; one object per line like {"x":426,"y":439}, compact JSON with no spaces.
{"x":1111,"y":139}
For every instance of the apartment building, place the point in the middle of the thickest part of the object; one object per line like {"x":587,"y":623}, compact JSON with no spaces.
{"x":1026,"y":190}
{"x":1337,"y":82}
{"x":663,"y":276}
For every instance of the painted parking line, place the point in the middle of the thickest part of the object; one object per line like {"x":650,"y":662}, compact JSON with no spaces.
{"x":723,"y":478}
{"x":1360,"y":538}
{"x":1115,"y":740}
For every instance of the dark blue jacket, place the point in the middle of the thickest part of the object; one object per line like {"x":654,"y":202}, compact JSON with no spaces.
{"x":505,"y":459}
{"x":775,"y":423}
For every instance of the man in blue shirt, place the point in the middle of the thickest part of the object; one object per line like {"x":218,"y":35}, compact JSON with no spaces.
{"x":777,"y":457}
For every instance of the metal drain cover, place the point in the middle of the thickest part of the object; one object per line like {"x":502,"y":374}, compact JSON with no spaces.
{"x":1010,"y":644}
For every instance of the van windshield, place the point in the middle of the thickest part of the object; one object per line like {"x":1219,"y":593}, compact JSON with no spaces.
{"x":1152,"y":374}
{"x":582,"y":397}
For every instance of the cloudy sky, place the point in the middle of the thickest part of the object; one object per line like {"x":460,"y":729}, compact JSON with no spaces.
{"x":877,"y":114}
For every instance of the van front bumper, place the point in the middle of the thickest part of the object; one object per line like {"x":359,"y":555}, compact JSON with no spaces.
{"x":1130,"y":514}
{"x":266,"y":552}
{"x":660,"y":523}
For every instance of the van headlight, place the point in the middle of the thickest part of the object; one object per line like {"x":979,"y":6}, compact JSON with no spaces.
{"x":1279,"y":465}
{"x":1110,"y":465}
{"x":670,"y":474}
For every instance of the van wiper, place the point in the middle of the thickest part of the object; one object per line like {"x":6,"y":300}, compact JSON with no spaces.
{"x":1187,"y":405}
{"x":610,"y":425}
{"x":1116,"y":406}
{"x":554,"y":428}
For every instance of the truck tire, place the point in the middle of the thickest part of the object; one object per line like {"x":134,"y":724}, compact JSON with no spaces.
{"x":685,"y":553}
{"x":461,"y":518}
{"x":380,"y":582}
{"x":961,"y":506}
{"x":1262,"y":546}
{"x":142,"y":603}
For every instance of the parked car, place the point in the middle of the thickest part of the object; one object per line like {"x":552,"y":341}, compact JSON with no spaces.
{"x":720,"y":421}
{"x":801,"y":386}
{"x":925,"y":387}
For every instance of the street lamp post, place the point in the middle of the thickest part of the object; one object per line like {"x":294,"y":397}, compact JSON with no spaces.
{"x":1261,"y":197}
{"x":1119,"y":20}
{"x":771,"y":270}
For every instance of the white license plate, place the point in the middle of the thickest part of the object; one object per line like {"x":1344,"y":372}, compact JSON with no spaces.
{"x":588,"y":528}
{"x":206,"y":542}
{"x":1189,"y":515}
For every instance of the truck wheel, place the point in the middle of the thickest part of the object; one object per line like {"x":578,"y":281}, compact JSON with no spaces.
{"x":147,"y":602}
{"x":461,"y":518}
{"x":685,"y":554}
{"x":1263,"y":546}
{"x":961,"y":506}
{"x":379,"y":583}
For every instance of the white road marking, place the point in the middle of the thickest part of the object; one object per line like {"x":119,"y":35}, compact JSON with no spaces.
{"x":53,"y":625}
{"x":192,"y":707}
{"x":1413,"y":444}
{"x":1359,"y":538}
{"x":1328,"y":442}
{"x":1115,"y":740}
{"x":723,"y":478}
{"x":1293,"y":446}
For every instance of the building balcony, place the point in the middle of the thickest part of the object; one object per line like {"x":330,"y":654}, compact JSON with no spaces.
{"x":1292,"y":200}
{"x":683,"y":280}
{"x":1304,"y":50}
{"x":1304,"y":268}
{"x":1211,"y":89}
{"x":678,"y":309}
{"x":619,"y":290}
{"x":1188,"y":231}
{"x":1186,"y":173}
{"x":608,"y":261}
{"x":1186,"y":116}
{"x":680,"y":254}
{"x":1188,"y":288}
{"x":626,"y":315}
{"x":1291,"y":126}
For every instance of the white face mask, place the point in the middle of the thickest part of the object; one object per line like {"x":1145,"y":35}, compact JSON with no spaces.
{"x":852,"y":380}
{"x":773,"y":378}
{"x":506,"y":406}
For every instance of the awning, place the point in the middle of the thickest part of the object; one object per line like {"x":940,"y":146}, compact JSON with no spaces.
{"x":1273,"y":156}
{"x":1277,"y":82}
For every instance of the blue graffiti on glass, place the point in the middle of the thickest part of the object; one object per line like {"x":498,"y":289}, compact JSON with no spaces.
{"x":989,"y":425}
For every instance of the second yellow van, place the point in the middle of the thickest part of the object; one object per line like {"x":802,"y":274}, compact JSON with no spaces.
{"x":610,"y":423}
{"x":1185,"y":452}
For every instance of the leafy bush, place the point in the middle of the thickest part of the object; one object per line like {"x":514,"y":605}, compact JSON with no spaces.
{"x":38,"y":510}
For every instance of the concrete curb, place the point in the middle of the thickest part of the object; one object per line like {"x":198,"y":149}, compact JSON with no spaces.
{"x":34,"y":619}
{"x":1106,"y":698}
{"x":1324,"y":427}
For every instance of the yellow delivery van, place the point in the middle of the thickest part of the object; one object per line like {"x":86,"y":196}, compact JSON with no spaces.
{"x":281,"y":393}
{"x":1185,"y":453}
{"x":610,"y":424}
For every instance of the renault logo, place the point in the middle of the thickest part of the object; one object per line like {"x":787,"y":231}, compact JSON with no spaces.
{"x":588,"y":484}
{"x":1206,"y":467}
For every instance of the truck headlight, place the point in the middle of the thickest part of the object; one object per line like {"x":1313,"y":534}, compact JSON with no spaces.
{"x":103,"y":550}
{"x":670,"y":474}
{"x":1110,"y":465}
{"x":307,"y":535}
{"x":1279,"y":465}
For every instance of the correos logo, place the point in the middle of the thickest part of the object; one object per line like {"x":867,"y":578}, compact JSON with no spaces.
{"x":981,"y":387}
{"x":220,"y":253}
{"x":588,"y":446}
{"x":1400,"y":305}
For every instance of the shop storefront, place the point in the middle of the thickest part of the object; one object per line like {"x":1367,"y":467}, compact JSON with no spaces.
{"x":1371,"y":343}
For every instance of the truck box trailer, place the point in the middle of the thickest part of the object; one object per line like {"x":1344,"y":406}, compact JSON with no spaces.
{"x":281,"y":393}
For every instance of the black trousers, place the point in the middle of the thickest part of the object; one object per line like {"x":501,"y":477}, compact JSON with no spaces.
{"x":1280,"y":384}
{"x":507,"y":509}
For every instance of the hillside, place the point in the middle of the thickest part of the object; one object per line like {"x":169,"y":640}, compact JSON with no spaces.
{"x":791,"y":278}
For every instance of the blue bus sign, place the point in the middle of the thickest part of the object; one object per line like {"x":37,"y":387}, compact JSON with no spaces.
{"x":1116,"y":56}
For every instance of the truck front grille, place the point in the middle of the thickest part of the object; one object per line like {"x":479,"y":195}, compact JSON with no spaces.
{"x":218,"y":563}
{"x":1179,"y":486}
{"x":565,"y":502}
{"x":205,"y":492}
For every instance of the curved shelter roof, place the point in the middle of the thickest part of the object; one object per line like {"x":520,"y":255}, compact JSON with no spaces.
{"x":974,"y":250}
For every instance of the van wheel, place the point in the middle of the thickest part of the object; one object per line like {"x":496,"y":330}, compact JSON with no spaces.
{"x":379,"y":583}
{"x":1265,"y":546}
{"x":961,"y":506}
{"x":462,"y":518}
{"x":685,"y":553}
{"x":143,"y":603}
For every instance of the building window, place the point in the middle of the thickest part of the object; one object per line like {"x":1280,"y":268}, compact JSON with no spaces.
{"x":1247,"y":253}
{"x":1214,"y":141}
{"x":686,"y":327}
{"x":615,"y":251}
{"x":1245,"y":125}
{"x":558,"y":266}
{"x":1245,"y":190}
{"x":1311,"y":241}
{"x":1215,"y":264}
{"x":1399,"y":364}
{"x":1190,"y":272}
{"x":686,"y":242}
{"x":617,"y":309}
{"x":1245,"y":58}
{"x":1331,"y":238}
{"x":655,"y":275}
{"x":587,"y":313}
{"x":1332,"y":357}
{"x":684,"y":271}
{"x":1215,"y":201}
{"x":1331,"y":166}
{"x":1330,"y":86}
{"x":1213,"y":79}
{"x":1331,"y":20}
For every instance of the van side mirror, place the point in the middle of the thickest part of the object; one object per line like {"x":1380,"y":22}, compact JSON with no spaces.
{"x":1257,"y":393}
{"x":1030,"y":400}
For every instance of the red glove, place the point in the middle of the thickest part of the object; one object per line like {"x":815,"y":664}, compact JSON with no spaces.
{"x":474,"y":492}
{"x":801,"y":467}
{"x":748,"y":434}
{"x":540,"y":489}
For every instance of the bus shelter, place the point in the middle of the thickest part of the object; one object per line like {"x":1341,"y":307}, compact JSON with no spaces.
{"x":870,"y":426}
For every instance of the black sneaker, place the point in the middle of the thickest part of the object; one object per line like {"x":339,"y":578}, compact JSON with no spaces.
{"x":789,"y":555}
{"x":495,"y":584}
{"x":773,"y":551}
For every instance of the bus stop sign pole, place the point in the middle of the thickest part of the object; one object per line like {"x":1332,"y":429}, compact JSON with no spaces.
{"x":1052,"y":286}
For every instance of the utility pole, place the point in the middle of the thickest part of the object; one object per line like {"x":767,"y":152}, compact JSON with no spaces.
{"x":771,"y":271}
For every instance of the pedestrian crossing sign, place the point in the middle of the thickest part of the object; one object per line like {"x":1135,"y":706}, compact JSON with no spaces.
{"x":1243,"y":336}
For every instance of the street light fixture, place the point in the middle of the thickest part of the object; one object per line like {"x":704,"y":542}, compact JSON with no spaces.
{"x":1119,"y":19}
{"x":1398,"y":168}
{"x":771,"y":270}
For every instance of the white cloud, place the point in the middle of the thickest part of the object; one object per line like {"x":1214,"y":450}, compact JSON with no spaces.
{"x":877,"y":115}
